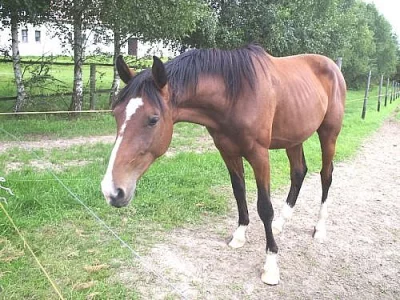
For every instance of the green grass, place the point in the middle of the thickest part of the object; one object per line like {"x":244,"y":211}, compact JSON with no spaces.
{"x":50,"y":126}
{"x":175,"y":191}
{"x":62,"y":83}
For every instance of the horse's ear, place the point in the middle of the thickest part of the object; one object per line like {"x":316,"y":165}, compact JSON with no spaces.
{"x":159,"y":73}
{"x":123,"y":70}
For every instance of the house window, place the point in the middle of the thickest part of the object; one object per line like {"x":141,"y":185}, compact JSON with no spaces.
{"x":96,"y":39}
{"x":24,"y":35}
{"x":37,"y":36}
{"x":132,"y":46}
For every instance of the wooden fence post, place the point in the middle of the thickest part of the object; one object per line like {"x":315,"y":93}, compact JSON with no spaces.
{"x":339,"y":62}
{"x":379,"y":93}
{"x":364,"y":110}
{"x":392,"y":92}
{"x":92,"y":86}
{"x":387,"y":91}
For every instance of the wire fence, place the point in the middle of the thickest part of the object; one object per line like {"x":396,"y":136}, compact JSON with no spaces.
{"x":50,"y":88}
{"x":48,"y":84}
{"x":147,"y":266}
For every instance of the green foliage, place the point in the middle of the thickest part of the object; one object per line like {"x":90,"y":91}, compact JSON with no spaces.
{"x":25,"y":11}
{"x":153,"y":20}
{"x":350,"y":29}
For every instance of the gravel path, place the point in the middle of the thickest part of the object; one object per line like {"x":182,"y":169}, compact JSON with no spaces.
{"x":359,"y":260}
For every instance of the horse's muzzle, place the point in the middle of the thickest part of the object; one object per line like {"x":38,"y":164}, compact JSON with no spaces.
{"x":117,"y":197}
{"x":118,"y":200}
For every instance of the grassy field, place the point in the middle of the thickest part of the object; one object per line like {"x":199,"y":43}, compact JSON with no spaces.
{"x":58,"y":79}
{"x":79,"y":254}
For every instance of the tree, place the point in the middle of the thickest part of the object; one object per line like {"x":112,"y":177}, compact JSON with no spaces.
{"x":73,"y":18}
{"x":13,"y":13}
{"x":397,"y":75}
{"x":371,"y":45}
{"x":348,"y":28}
{"x":155,"y":20}
{"x":386,"y":46}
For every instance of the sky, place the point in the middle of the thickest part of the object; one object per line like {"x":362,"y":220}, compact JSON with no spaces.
{"x":391,"y":10}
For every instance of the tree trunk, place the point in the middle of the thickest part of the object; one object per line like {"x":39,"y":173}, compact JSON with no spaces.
{"x":21,"y":95}
{"x":116,"y":81}
{"x":77,"y":96}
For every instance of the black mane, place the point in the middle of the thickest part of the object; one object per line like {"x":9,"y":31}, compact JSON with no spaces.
{"x":234,"y":66}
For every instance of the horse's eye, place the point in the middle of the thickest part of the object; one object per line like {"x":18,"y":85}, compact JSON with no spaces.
{"x":153,"y":120}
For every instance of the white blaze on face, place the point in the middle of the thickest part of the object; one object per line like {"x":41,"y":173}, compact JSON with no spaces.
{"x":107,"y":184}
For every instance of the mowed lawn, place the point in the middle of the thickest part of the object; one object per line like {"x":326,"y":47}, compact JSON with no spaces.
{"x":80,"y":255}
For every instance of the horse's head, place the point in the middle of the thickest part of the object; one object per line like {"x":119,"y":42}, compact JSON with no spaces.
{"x":144,"y":130}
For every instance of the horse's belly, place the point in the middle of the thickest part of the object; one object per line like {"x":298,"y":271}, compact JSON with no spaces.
{"x":282,"y":143}
{"x":291,"y":133}
{"x":295,"y":123}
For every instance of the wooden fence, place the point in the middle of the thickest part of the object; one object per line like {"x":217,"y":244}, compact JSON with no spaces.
{"x":391,"y":93}
{"x":93,"y":91}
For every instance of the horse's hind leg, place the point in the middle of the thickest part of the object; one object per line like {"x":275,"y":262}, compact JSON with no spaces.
{"x":298,"y":170}
{"x":236,"y":172}
{"x":327,"y":139}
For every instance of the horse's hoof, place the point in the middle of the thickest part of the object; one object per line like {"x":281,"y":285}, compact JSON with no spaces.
{"x":319,"y":234}
{"x":277,"y":226}
{"x":236,"y":243}
{"x":271,"y":276}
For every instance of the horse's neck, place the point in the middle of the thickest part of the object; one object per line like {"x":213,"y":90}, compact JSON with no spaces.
{"x":197,"y":116}
{"x":206,"y":107}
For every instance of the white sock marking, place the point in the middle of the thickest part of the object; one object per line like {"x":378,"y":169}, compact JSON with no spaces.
{"x":239,"y":237}
{"x":286,"y":214}
{"x":287,"y":211}
{"x":271,"y":270}
{"x":320,"y":228}
{"x":107,"y":184}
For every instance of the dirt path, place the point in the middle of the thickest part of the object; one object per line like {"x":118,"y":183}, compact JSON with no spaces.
{"x":46,"y":143}
{"x":203,"y":143}
{"x":359,"y":260}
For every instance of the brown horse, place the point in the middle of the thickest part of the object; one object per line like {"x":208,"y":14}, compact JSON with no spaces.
{"x":250,"y":102}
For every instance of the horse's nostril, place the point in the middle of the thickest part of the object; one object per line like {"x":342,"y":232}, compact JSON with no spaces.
{"x":118,"y":199}
{"x":120,"y":194}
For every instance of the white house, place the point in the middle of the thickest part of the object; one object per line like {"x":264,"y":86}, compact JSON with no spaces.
{"x":44,"y":40}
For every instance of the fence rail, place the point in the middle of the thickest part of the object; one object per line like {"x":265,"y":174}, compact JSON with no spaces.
{"x":56,"y":63}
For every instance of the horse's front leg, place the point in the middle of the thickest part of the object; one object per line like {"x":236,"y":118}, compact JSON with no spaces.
{"x":236,"y":172}
{"x":259,"y":160}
